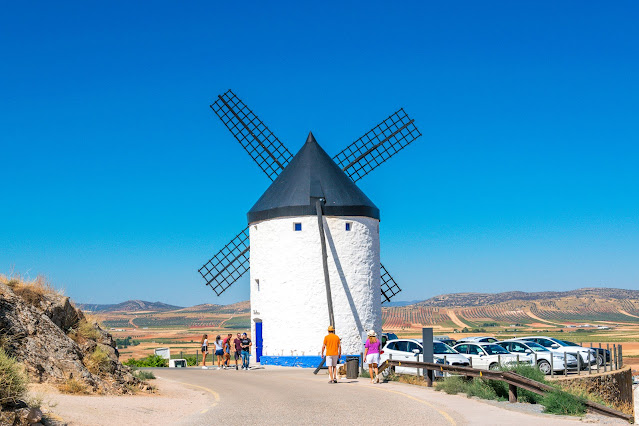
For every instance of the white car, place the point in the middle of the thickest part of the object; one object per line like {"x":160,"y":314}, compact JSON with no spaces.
{"x":588,"y":356}
{"x":412,"y":350}
{"x":546,"y":360}
{"x":478,"y":339}
{"x":487,"y":356}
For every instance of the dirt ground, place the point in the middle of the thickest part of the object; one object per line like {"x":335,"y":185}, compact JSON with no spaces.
{"x":173,"y":401}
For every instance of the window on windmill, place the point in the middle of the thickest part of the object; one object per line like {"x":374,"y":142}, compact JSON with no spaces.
{"x":349,"y":226}
{"x":297,"y":226}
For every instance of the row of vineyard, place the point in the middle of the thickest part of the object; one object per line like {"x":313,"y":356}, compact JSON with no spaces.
{"x":583,"y":314}
{"x":116,"y":323}
{"x":496,"y":313}
{"x":395,"y":317}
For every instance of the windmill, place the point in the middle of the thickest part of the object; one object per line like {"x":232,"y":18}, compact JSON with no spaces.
{"x":310,"y":192}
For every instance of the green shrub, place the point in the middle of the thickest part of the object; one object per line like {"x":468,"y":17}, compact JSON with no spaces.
{"x":558,"y":402}
{"x":190,"y":361}
{"x":526,"y":370}
{"x":452,"y":385}
{"x":144,"y":375}
{"x":149,"y":361}
{"x":98,"y":362}
{"x":13,"y":380}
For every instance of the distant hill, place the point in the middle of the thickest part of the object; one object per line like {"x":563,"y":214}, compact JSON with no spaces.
{"x":481,"y":299}
{"x":131,"y":306}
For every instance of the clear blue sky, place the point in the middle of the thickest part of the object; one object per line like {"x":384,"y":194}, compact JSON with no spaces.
{"x":118,"y":181}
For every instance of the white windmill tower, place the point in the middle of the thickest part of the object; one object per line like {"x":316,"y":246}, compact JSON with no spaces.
{"x":314,"y":239}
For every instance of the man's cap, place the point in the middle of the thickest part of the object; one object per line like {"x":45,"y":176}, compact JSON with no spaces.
{"x":243,"y":334}
{"x":331,"y":328}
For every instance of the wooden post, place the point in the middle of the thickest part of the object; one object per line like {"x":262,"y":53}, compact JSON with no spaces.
{"x":552,"y":365}
{"x":590,"y":366}
{"x":614,"y":357}
{"x":181,"y":354}
{"x":327,"y":282}
{"x":566,"y":363}
{"x":605,"y":360}
{"x":578,"y":363}
{"x":470,"y":359}
{"x":620,"y":357}
{"x":512,"y":393}
{"x":196,"y":361}
{"x":429,"y":378}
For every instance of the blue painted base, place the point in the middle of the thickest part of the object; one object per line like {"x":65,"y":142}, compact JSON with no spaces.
{"x":297,"y":361}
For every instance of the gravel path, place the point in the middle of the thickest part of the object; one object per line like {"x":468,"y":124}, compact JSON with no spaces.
{"x":173,"y":402}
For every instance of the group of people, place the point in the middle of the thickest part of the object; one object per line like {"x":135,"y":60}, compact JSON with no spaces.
{"x":333,"y":348}
{"x":241,"y":345}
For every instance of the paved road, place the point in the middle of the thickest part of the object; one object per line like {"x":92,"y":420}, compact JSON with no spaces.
{"x":280,"y":395}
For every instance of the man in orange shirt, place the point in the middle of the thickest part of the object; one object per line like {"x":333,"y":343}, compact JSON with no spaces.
{"x":333,"y":349}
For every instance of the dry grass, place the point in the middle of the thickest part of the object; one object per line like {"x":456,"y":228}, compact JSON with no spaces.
{"x":98,"y":362}
{"x":13,"y":380}
{"x":73,"y":386}
{"x":34,"y":291}
{"x":84,"y":331}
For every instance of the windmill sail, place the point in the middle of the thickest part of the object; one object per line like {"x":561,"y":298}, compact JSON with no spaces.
{"x":388,"y":284}
{"x":229,"y":264}
{"x":260,"y":143}
{"x":378,"y":145}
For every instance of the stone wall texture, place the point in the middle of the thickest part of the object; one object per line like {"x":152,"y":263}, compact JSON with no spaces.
{"x":614,"y":387}
{"x":288,"y":293}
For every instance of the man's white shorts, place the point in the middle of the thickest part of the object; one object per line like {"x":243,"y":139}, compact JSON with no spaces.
{"x":331,"y":361}
{"x":372,"y":359}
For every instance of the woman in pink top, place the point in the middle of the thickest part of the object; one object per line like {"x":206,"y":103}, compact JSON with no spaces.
{"x":372,"y":355}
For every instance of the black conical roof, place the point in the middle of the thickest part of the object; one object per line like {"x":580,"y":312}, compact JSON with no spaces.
{"x":310,"y":175}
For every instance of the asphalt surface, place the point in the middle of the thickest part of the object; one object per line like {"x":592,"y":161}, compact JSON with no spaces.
{"x":280,"y":395}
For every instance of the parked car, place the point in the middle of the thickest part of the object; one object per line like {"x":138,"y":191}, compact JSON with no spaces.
{"x":478,"y":339}
{"x":412,"y":350}
{"x":445,"y":339}
{"x":544,"y":362}
{"x":449,"y":342}
{"x":603,"y":355}
{"x":388,"y":336}
{"x":487,"y":356}
{"x":559,"y":346}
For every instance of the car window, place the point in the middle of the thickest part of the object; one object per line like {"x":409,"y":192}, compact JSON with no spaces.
{"x":516,"y":347}
{"x":489,"y":340}
{"x":569,"y":343}
{"x":462,"y":349}
{"x":413,"y":345}
{"x":494,"y":350}
{"x":391,"y":346}
{"x":536,"y":347}
{"x":505,"y":345}
{"x":475,"y":350}
{"x":442,"y":349}
{"x":545,"y":342}
{"x":401,"y":345}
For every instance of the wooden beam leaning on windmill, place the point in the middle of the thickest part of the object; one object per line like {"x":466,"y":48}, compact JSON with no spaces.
{"x":333,"y":347}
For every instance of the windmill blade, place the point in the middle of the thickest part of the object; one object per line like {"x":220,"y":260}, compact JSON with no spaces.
{"x":388,"y":285}
{"x":378,"y":145}
{"x":260,"y":143}
{"x":229,"y":264}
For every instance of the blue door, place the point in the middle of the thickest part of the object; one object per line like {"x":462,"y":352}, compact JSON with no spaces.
{"x":258,"y":341}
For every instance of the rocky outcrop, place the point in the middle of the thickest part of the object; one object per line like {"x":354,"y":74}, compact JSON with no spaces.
{"x":56,"y":343}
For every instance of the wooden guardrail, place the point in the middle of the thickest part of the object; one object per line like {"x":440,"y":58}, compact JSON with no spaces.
{"x":514,"y":381}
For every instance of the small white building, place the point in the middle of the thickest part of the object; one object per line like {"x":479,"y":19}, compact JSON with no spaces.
{"x":289,"y":307}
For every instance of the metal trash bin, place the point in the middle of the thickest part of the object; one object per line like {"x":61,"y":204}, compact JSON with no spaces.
{"x":352,"y":367}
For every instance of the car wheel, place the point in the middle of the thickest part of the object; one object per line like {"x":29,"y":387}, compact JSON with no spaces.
{"x":544,"y":366}
{"x":493,"y":366}
{"x":600,"y":360}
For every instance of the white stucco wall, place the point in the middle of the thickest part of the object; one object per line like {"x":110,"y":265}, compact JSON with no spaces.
{"x":290,"y":298}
